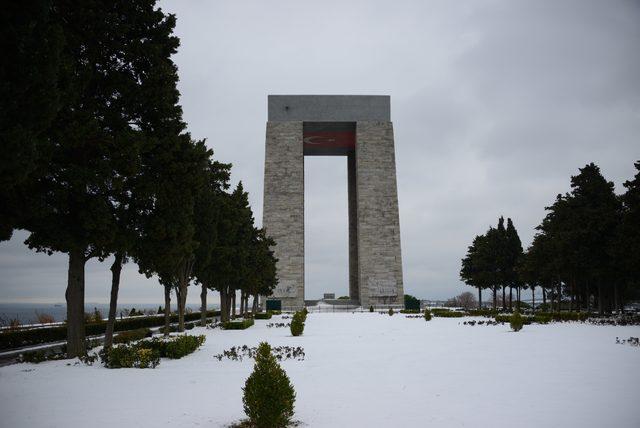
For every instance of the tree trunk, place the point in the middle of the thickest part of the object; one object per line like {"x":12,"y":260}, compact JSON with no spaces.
{"x":116,"y":270}
{"x":616,"y":297}
{"x":167,"y":309}
{"x":241,"y":303}
{"x":544,"y":296}
{"x":181,"y":294}
{"x":203,"y":306}
{"x":479,"y":298}
{"x":223,"y":305}
{"x":533,"y":299}
{"x":255,"y":304}
{"x":600,"y":299}
{"x":75,"y":304}
{"x":504,"y":298}
{"x":559,"y":296}
{"x":233,"y":304}
{"x":495,"y":298}
{"x":511,"y":298}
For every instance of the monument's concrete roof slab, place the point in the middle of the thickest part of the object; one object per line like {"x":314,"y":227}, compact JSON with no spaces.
{"x":336,"y":108}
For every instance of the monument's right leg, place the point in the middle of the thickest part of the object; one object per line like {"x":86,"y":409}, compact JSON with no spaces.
{"x":283,"y":215}
{"x":379,"y":255}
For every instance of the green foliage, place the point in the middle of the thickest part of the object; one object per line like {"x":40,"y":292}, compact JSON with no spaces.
{"x":127,"y":356}
{"x":411,"y":303}
{"x":516,"y":321}
{"x":132,"y":335}
{"x":268,"y":396}
{"x":409,"y":311}
{"x":482,"y":312}
{"x":182,"y":345}
{"x":147,"y":353}
{"x":25,"y":337}
{"x":297,"y":323}
{"x":390,"y":312}
{"x":448,"y":314}
{"x":262,"y":316}
{"x":238,"y":325}
{"x":371,"y":308}
{"x":427,"y":315}
{"x":437,"y":311}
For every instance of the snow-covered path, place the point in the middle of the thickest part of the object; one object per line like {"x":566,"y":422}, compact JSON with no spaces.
{"x":360,"y":370}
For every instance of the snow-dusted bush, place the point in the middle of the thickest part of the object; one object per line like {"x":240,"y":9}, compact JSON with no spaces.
{"x":297,"y":323}
{"x":516,"y":321}
{"x":427,"y":315}
{"x":262,"y":316}
{"x":238,"y":325}
{"x":268,"y":394}
{"x":126,"y":356}
{"x":132,"y":335}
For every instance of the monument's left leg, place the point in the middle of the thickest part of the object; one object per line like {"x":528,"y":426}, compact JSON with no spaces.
{"x":283,"y":216}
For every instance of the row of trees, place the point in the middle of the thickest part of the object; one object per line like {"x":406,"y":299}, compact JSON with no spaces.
{"x":492,"y":262}
{"x":97,"y":162}
{"x":585,"y":254}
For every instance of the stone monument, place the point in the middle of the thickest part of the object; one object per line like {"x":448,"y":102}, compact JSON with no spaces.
{"x":359,"y":128}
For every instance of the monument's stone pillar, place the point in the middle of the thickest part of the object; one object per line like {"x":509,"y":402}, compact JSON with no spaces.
{"x":380,"y":261}
{"x":359,"y":128}
{"x":354,"y":289}
{"x":283,"y":216}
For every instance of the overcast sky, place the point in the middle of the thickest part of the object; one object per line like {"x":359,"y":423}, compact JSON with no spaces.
{"x":495,"y":105}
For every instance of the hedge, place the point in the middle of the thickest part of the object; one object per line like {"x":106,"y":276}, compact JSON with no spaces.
{"x":409,"y":311}
{"x":262,"y":316}
{"x":17,"y":339}
{"x":448,"y":314}
{"x":238,"y":325}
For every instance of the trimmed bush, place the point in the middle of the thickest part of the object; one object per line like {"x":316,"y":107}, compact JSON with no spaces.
{"x":437,"y":311}
{"x":448,"y":314}
{"x":482,"y":312}
{"x":390,"y":312}
{"x":262,"y":316}
{"x":127,"y":356}
{"x":132,"y":335}
{"x":297,"y":324}
{"x":371,"y":308}
{"x":411,"y":302}
{"x":427,"y":315}
{"x":268,"y":396}
{"x":183,"y":345}
{"x":147,"y":353}
{"x":238,"y":325}
{"x":409,"y":311}
{"x":516,"y":321}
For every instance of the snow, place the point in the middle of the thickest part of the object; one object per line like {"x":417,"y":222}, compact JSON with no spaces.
{"x":362,"y":369}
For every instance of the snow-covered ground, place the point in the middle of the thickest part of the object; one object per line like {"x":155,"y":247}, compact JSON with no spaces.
{"x":361,"y":369}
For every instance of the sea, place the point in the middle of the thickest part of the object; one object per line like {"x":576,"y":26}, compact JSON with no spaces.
{"x":27,"y":313}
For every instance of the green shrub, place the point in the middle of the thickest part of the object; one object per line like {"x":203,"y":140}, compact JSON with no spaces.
{"x":447,"y":314}
{"x":411,"y":302}
{"x":126,"y":356}
{"x":277,"y":312}
{"x":516,"y":321}
{"x":147,"y":353}
{"x":542,"y":318}
{"x":238,"y":325}
{"x":371,"y":308}
{"x":268,"y":396}
{"x":297,"y":324}
{"x":390,"y":312}
{"x":427,"y":315}
{"x":132,"y":335}
{"x":437,"y":311}
{"x":262,"y":316}
{"x":409,"y":311}
{"x":183,"y":345}
{"x":482,"y":312}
